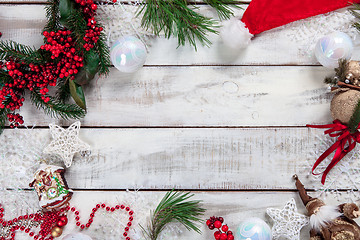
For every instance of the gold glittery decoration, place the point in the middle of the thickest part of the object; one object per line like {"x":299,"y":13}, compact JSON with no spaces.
{"x":343,"y":104}
{"x":353,"y":73}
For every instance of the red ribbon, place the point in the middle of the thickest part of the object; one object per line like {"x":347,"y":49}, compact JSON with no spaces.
{"x":345,"y":143}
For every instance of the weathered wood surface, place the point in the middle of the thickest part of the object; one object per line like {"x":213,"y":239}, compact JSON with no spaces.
{"x":23,"y":23}
{"x":204,"y":96}
{"x":192,"y":158}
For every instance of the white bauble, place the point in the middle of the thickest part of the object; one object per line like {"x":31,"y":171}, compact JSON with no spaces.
{"x":253,"y":229}
{"x":329,"y":49}
{"x":234,"y":34}
{"x":128,"y":54}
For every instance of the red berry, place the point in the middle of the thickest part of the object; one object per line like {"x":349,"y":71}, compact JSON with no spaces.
{"x":225,"y":228}
{"x":217,"y":224}
{"x":223,"y":236}
{"x":230,"y":233}
{"x":208,"y":222}
{"x":217,"y":235}
{"x":221,"y":219}
{"x":230,"y":237}
{"x":211,"y":226}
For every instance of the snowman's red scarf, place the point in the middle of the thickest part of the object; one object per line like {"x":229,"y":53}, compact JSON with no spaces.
{"x":346,"y":142}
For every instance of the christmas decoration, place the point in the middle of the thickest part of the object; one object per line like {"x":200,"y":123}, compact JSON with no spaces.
{"x":77,"y":236}
{"x":287,"y":222}
{"x":180,"y":19}
{"x":345,"y":110}
{"x":128,"y":54}
{"x":331,"y":48}
{"x":51,"y":187}
{"x":253,"y":229}
{"x":74,"y":51}
{"x":51,"y":223}
{"x":258,"y":17}
{"x":330,"y":222}
{"x":66,"y":142}
{"x":222,"y":232}
{"x":174,"y":207}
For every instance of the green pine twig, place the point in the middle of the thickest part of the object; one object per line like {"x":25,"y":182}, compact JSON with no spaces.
{"x":104,"y":54}
{"x":56,"y":108}
{"x":17,"y":51}
{"x":3,"y":118}
{"x":355,"y":119}
{"x":53,"y":16}
{"x":174,"y":207}
{"x":223,"y":7}
{"x":176,"y":18}
{"x":340,"y":73}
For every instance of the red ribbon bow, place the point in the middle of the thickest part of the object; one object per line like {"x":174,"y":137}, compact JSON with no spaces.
{"x":345,"y":143}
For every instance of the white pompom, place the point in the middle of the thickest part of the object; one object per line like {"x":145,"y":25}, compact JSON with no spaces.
{"x":234,"y":34}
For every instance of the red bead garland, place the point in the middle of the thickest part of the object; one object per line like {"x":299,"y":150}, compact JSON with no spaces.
{"x":108,"y":209}
{"x":49,"y":220}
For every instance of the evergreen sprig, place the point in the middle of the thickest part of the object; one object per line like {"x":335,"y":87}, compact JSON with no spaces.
{"x":340,"y":73}
{"x":176,"y":18}
{"x":179,"y":18}
{"x":14,"y":50}
{"x":223,"y":7}
{"x":104,"y":57}
{"x":53,"y":16}
{"x":3,"y":118}
{"x":56,"y":108}
{"x":174,"y":207}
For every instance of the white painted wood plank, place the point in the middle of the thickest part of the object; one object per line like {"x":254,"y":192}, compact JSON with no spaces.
{"x":204,"y":96}
{"x":195,"y":158}
{"x":235,"y":207}
{"x":23,"y":23}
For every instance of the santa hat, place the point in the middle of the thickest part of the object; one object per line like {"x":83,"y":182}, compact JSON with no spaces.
{"x":264,"y":15}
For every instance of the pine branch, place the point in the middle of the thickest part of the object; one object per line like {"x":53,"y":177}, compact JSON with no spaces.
{"x":3,"y":118}
{"x":176,"y":18}
{"x":56,"y":108}
{"x":223,"y":7}
{"x":11,"y":49}
{"x":4,"y":77}
{"x":355,"y":119}
{"x":104,"y":54}
{"x":340,"y":73}
{"x":174,"y":207}
{"x":77,"y":24}
{"x":63,"y":92}
{"x":53,"y":16}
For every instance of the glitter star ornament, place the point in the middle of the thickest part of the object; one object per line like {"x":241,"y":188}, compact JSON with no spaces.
{"x":287,"y":221}
{"x":66,"y":142}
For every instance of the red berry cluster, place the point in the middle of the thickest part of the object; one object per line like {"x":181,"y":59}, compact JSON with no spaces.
{"x":88,"y":7}
{"x":47,"y":220}
{"x":15,"y":120}
{"x":92,"y":34}
{"x":60,"y":43}
{"x":223,"y":232}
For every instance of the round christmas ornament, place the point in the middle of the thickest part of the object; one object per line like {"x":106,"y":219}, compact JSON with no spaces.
{"x":77,"y":236}
{"x":128,"y":54}
{"x":333,"y":47}
{"x":253,"y":229}
{"x":258,"y":17}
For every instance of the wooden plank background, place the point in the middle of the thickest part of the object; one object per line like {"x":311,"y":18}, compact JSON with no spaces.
{"x":231,"y":128}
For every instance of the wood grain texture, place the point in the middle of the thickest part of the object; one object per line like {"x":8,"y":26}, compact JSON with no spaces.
{"x":23,"y":23}
{"x":195,"y":158}
{"x":204,"y":96}
{"x":234,"y":207}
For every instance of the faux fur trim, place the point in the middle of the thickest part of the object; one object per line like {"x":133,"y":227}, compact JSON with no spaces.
{"x":325,"y":215}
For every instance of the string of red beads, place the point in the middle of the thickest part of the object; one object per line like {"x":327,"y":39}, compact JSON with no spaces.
{"x":107,"y":208}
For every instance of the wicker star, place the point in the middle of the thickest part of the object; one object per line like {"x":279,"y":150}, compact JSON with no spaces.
{"x":287,"y":222}
{"x":66,"y":142}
